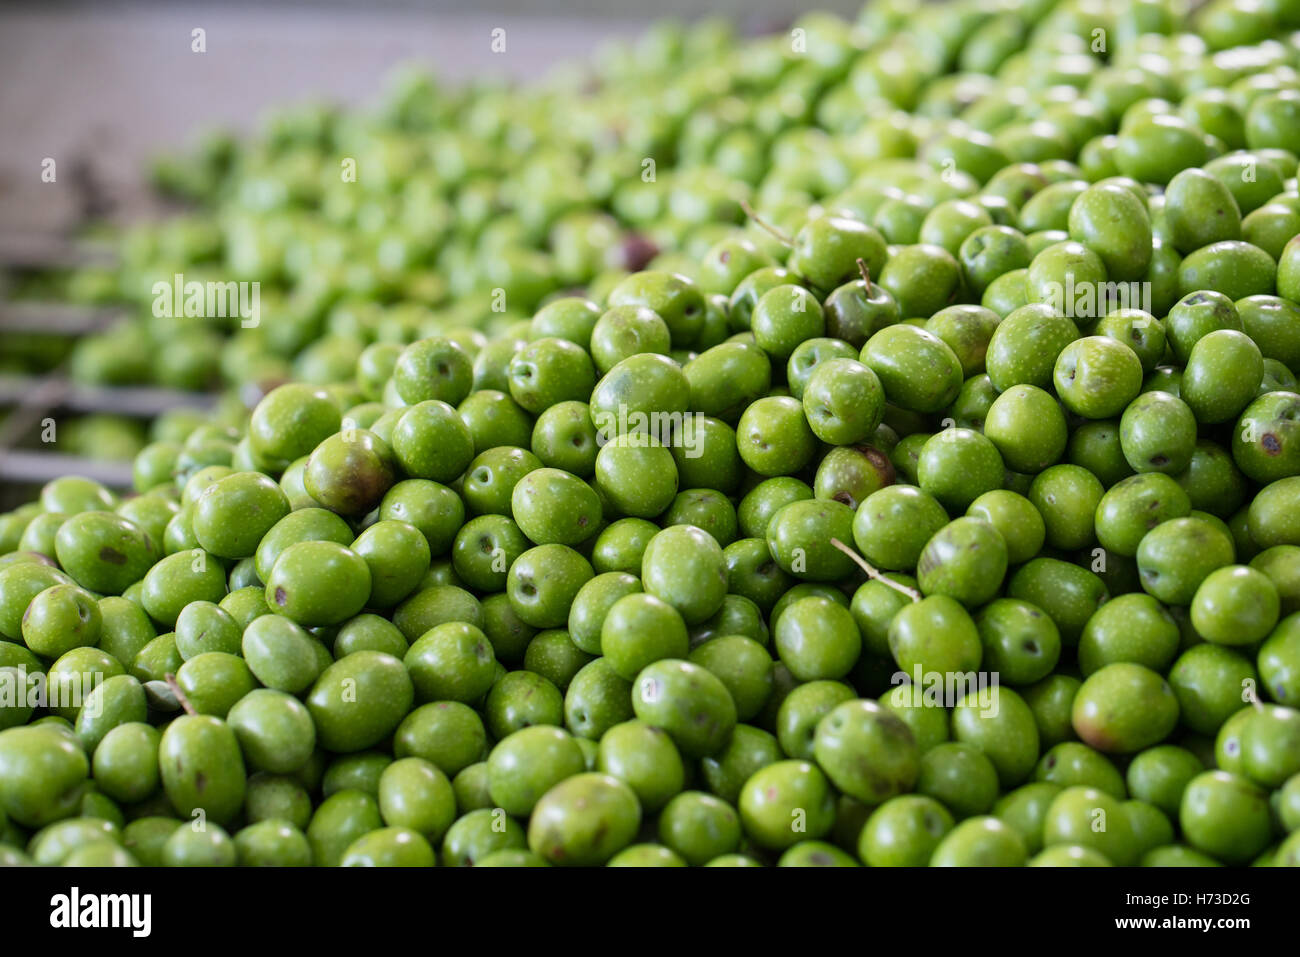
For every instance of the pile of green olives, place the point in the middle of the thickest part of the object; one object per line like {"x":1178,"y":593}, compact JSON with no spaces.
{"x":902,"y":468}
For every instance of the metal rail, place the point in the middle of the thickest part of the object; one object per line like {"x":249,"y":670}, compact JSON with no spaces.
{"x":36,"y":251}
{"x":53,"y":393}
{"x":56,"y":318}
{"x":21,"y":467}
{"x":34,"y":398}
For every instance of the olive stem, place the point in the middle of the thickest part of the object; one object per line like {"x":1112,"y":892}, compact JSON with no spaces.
{"x":873,"y":573}
{"x":765,"y":225}
{"x":866,"y":274}
{"x":180,"y":695}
